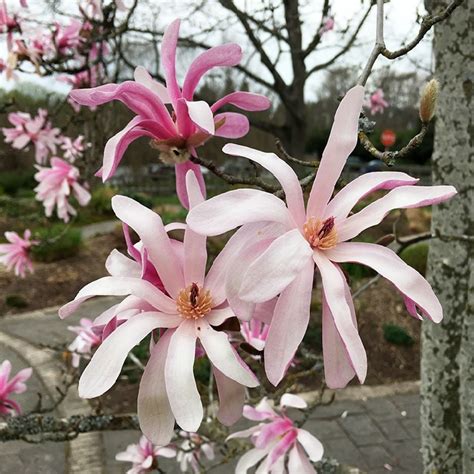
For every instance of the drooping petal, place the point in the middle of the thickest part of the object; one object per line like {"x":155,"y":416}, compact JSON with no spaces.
{"x":289,"y":323}
{"x":298,"y":462}
{"x":168,"y":59}
{"x":282,"y":447}
{"x":282,"y":171}
{"x":106,"y":364}
{"x":231,"y":398}
{"x":334,"y":288}
{"x":181,"y":169}
{"x":352,"y":193}
{"x":149,"y":227}
{"x":142,"y":76}
{"x":181,"y":387}
{"x":276,"y":267}
{"x":243,"y":100}
{"x":249,"y":459}
{"x":389,"y":265}
{"x":404,"y":197}
{"x":217,"y":316}
{"x":135,"y":96}
{"x":263,"y":411}
{"x":200,"y":113}
{"x":235,"y":208}
{"x":121,"y":286}
{"x":222,"y":355}
{"x":264,"y":311}
{"x":154,"y":410}
{"x":223,"y":55}
{"x":194,"y":244}
{"x":311,"y":445}
{"x":231,"y":125}
{"x":342,"y":140}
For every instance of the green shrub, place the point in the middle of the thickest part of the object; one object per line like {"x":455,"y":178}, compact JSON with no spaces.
{"x":397,"y":335}
{"x":144,"y":199}
{"x":13,"y":181}
{"x":57,"y":243}
{"x":416,"y":256}
{"x":202,"y":370}
{"x":101,"y":199}
{"x":16,"y":301}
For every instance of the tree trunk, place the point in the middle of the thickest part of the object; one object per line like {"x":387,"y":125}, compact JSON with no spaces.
{"x":447,"y":366}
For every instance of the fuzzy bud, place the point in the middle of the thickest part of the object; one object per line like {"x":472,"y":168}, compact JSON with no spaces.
{"x":428,"y":100}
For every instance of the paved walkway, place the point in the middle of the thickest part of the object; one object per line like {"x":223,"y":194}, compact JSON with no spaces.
{"x":376,"y":430}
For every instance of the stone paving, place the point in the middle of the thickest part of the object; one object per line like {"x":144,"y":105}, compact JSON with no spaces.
{"x":377,"y":434}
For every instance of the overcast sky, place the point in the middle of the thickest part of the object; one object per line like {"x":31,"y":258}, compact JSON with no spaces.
{"x":400,"y":25}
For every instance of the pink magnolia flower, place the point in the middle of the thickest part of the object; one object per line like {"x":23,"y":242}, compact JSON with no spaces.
{"x":191,"y":451}
{"x":276,"y":438}
{"x":191,"y":123}
{"x":8,"y":24}
{"x":144,"y":456}
{"x":189,"y":306}
{"x":328,"y":25}
{"x":56,"y":185}
{"x":16,"y":254}
{"x":15,"y":385}
{"x":37,"y":130}
{"x":377,"y":103}
{"x":73,"y":149}
{"x":319,"y":234}
{"x":66,"y":39}
{"x":89,"y":336}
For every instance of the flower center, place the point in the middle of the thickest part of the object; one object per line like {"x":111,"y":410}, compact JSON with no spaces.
{"x":193,"y":302}
{"x":172,"y":151}
{"x":320,"y":234}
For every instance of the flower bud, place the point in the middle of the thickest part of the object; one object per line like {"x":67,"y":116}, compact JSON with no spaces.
{"x":428,"y":100}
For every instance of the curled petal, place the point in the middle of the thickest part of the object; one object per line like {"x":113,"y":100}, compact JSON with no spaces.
{"x":231,"y":398}
{"x":181,"y":171}
{"x":231,"y":125}
{"x":243,"y":100}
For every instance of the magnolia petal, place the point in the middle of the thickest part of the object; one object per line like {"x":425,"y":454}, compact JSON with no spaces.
{"x":235,"y":208}
{"x":118,"y":265}
{"x":142,"y":76}
{"x":217,"y":316}
{"x":311,"y":445}
{"x":293,"y":401}
{"x":194,"y":244}
{"x":181,"y":170}
{"x":389,"y":265}
{"x":334,"y":288}
{"x":223,"y":356}
{"x":231,"y":398}
{"x":200,"y":113}
{"x":351,"y":194}
{"x":223,"y":55}
{"x":168,"y":59}
{"x":283,"y":173}
{"x":154,"y":410}
{"x":149,"y":227}
{"x":404,"y":197}
{"x":121,"y":286}
{"x":234,"y":125}
{"x":298,"y":462}
{"x":181,"y":386}
{"x":243,"y":100}
{"x":250,"y":459}
{"x":289,"y":323}
{"x":342,"y":140}
{"x":277,"y":266}
{"x":106,"y":364}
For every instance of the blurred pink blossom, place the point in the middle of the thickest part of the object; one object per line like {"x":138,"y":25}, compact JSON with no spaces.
{"x":175,"y":134}
{"x":328,"y":25}
{"x":15,"y":385}
{"x":56,"y":185}
{"x":377,"y":103}
{"x":32,"y":130}
{"x":277,"y":438}
{"x":73,"y":149}
{"x":255,"y":333}
{"x":8,"y":24}
{"x":144,"y":456}
{"x":66,"y":39}
{"x":191,"y":450}
{"x":16,"y":254}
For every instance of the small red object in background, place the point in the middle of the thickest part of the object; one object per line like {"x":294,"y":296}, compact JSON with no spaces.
{"x":388,"y":138}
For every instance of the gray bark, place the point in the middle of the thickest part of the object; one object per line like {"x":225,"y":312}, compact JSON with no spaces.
{"x":447,"y":366}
